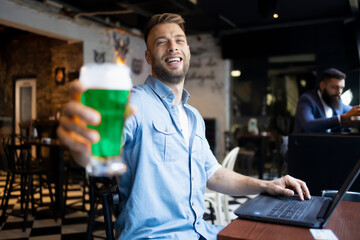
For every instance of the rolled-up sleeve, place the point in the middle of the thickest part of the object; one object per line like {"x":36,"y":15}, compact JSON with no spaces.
{"x":211,"y":163}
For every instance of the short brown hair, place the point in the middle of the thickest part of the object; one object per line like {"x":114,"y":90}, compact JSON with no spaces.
{"x":163,"y":18}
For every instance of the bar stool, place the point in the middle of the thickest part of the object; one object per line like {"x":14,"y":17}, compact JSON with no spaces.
{"x":98,"y":186}
{"x":111,"y":207}
{"x":74,"y":173}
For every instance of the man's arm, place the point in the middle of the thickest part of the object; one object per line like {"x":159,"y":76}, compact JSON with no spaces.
{"x":305,"y":116}
{"x":234,"y":184}
{"x":349,"y":112}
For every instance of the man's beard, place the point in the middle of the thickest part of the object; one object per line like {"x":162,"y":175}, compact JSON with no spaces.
{"x":168,"y":76}
{"x":332,"y":100}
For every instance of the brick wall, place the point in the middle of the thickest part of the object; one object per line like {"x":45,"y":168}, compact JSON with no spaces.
{"x":28,"y":55}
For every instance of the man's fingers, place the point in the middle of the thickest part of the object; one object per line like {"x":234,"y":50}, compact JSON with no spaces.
{"x":305,"y":190}
{"x":74,"y":143}
{"x":281,"y":190}
{"x":84,"y":113}
{"x":355,"y":110}
{"x":79,"y":128}
{"x":130,"y":110}
{"x":80,"y":149}
{"x":76,"y":88}
{"x":295,"y":183}
{"x":299,"y":187}
{"x":299,"y":191}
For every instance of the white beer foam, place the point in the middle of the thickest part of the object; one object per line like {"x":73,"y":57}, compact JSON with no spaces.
{"x":106,"y":76}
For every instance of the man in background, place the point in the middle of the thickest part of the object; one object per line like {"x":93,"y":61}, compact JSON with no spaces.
{"x":321,"y":109}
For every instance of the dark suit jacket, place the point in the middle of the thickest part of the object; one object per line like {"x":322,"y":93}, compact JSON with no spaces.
{"x":310,"y":114}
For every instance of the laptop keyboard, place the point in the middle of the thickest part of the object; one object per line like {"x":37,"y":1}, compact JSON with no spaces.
{"x":291,"y":209}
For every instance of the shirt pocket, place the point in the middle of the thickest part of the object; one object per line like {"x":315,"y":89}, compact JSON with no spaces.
{"x":164,"y":142}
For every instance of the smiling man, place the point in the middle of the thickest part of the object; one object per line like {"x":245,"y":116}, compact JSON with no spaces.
{"x":169,"y":161}
{"x":321,"y":109}
{"x":169,"y":65}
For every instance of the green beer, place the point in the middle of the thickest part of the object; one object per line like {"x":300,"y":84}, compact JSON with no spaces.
{"x":111,"y":104}
{"x":107,"y":90}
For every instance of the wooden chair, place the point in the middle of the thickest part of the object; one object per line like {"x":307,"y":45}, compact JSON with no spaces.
{"x":25,"y":130}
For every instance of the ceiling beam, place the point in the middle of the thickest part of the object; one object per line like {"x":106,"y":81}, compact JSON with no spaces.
{"x":288,"y":25}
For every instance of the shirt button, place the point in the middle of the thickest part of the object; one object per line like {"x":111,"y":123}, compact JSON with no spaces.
{"x":173,"y":106}
{"x":162,"y":96}
{"x":192,"y":178}
{"x":193,"y":204}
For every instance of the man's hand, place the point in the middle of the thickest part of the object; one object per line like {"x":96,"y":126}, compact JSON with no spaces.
{"x":72,"y":130}
{"x":355,"y":111}
{"x":287,"y":186}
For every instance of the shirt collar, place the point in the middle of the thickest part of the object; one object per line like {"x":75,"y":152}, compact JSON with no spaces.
{"x":164,"y":91}
{"x":185,"y":96}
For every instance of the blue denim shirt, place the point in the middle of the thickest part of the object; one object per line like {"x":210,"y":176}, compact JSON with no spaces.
{"x":163,"y":188}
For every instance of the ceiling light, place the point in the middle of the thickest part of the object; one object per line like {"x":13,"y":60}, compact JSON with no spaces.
{"x":235,"y":73}
{"x":269,"y":99}
{"x":303,"y":83}
{"x":275,"y":15}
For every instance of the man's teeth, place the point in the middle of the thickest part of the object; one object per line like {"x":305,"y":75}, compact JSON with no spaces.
{"x":172,"y":60}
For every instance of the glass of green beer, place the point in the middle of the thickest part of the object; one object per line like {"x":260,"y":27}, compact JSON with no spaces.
{"x":107,"y":90}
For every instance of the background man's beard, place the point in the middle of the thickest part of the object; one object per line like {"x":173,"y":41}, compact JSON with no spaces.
{"x":170,"y":77}
{"x":332,"y":101}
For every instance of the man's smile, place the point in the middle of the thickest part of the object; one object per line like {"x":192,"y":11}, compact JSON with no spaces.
{"x":173,"y":60}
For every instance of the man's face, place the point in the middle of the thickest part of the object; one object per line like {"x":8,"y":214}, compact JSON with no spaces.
{"x":168,"y":53}
{"x":331,"y":91}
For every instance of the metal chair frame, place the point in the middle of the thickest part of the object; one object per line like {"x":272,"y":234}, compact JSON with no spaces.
{"x":20,"y":164}
{"x":219,"y":201}
{"x":349,"y":196}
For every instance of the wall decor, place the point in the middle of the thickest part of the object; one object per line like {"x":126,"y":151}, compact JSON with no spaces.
{"x":60,"y":76}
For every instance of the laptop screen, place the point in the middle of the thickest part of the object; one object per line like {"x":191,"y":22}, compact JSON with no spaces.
{"x":344,"y":188}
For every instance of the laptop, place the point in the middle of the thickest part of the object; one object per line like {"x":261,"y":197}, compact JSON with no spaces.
{"x":313,"y":213}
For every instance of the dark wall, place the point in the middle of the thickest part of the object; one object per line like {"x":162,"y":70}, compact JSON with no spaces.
{"x":334,"y":45}
{"x":270,"y":42}
{"x":323,"y":161}
{"x":254,"y":76}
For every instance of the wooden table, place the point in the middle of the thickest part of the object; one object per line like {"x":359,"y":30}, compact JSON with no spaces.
{"x":57,"y":167}
{"x":345,"y":223}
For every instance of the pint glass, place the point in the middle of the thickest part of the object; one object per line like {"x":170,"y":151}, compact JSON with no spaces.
{"x":107,"y":90}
